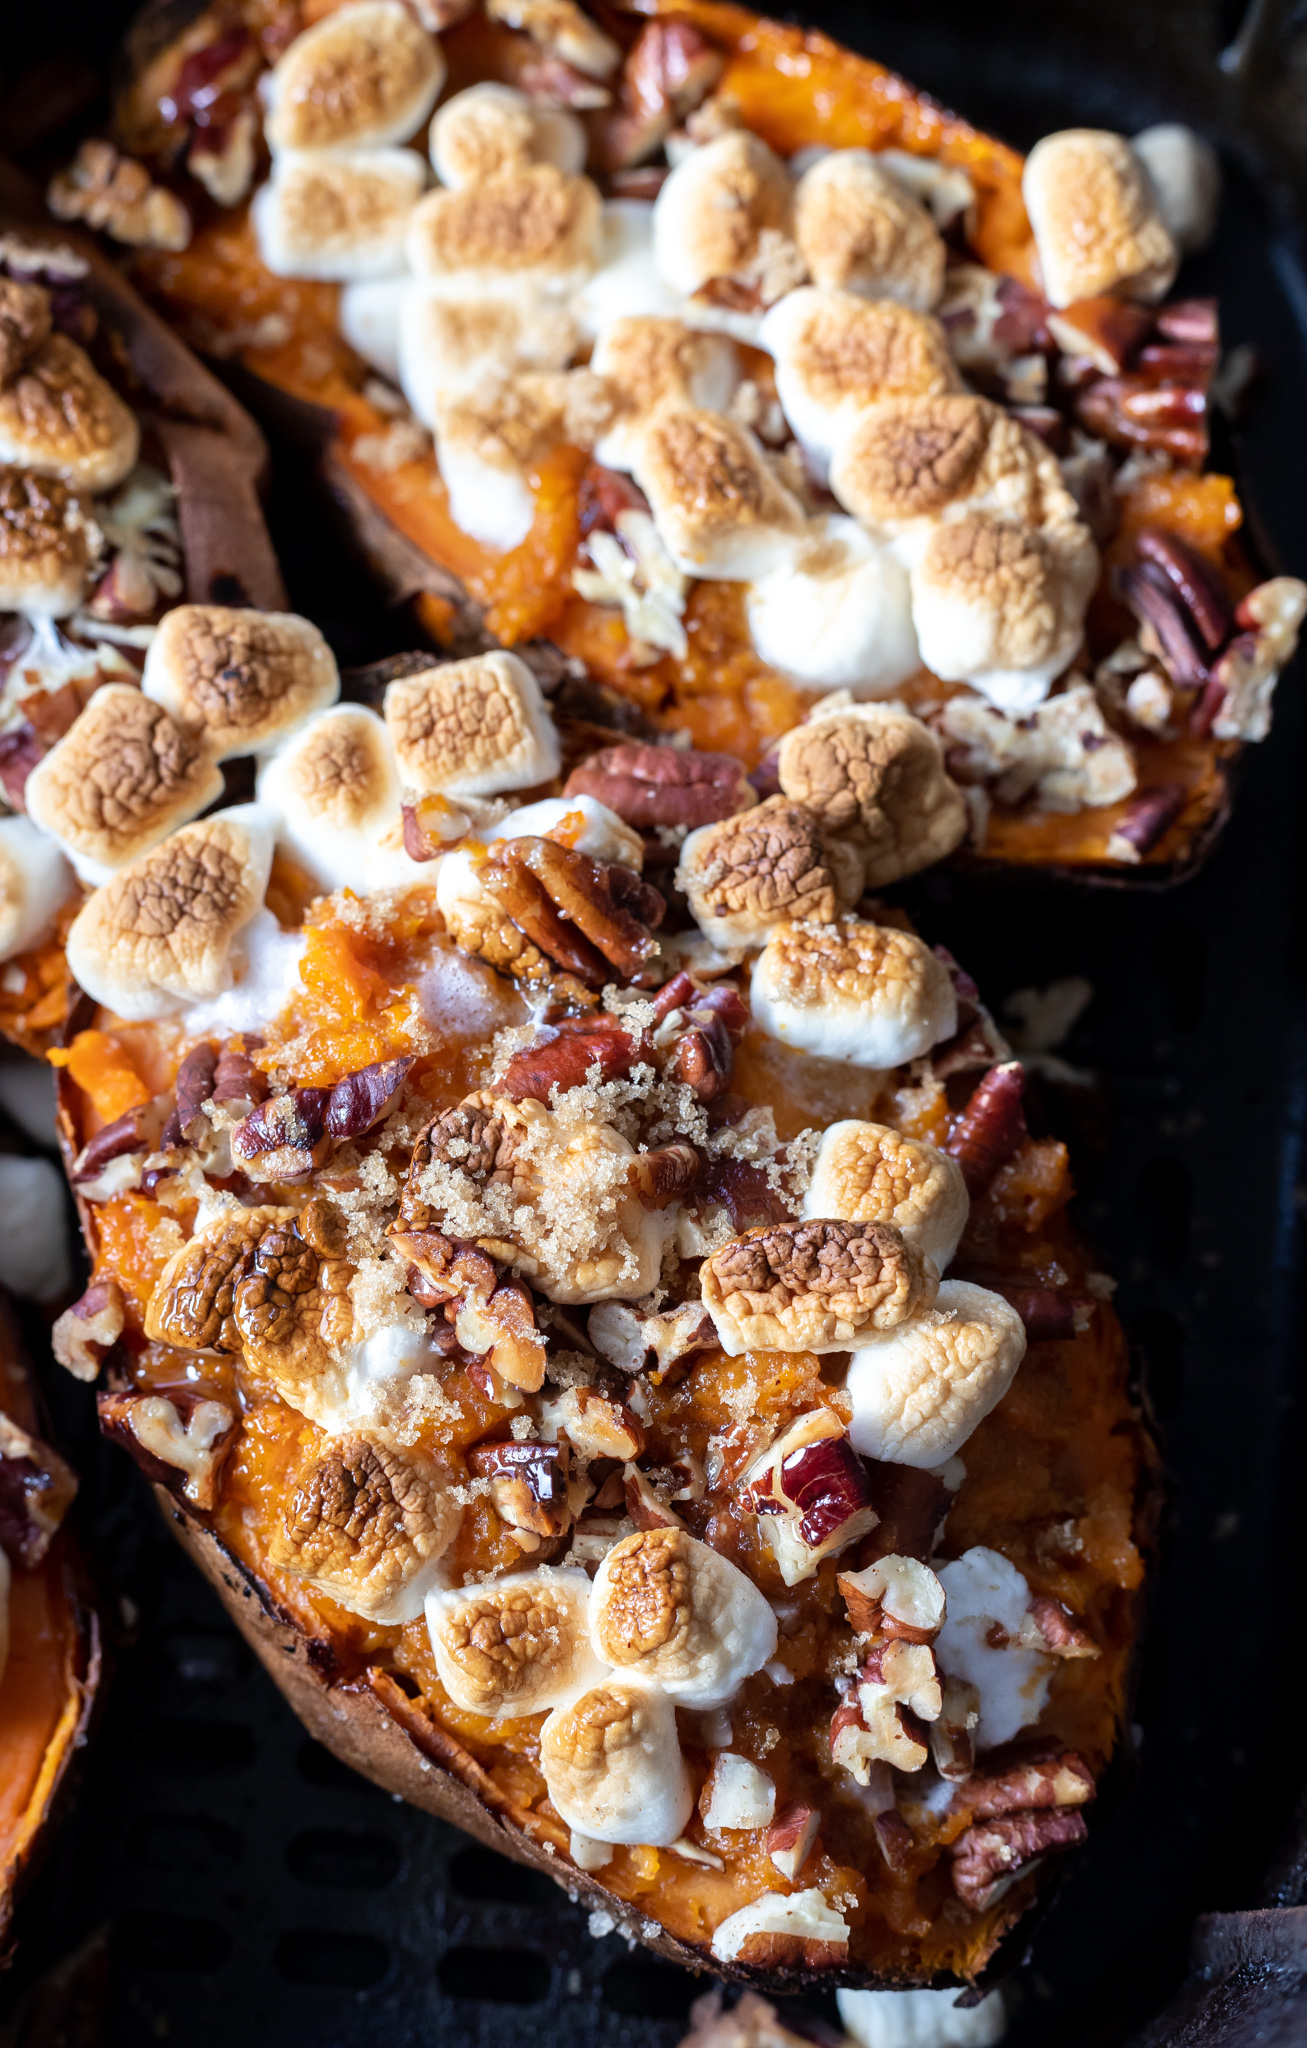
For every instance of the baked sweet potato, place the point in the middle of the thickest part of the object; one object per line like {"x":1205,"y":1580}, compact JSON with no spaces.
{"x":186,"y":521}
{"x":49,"y":1634}
{"x":482,"y":1257}
{"x":1111,"y":784}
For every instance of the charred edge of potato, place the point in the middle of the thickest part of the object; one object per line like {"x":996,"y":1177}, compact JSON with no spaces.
{"x":370,"y":1724}
{"x":217,"y":456}
{"x":1154,"y":878}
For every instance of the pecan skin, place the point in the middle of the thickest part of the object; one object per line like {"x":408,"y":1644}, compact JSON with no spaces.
{"x":990,"y":1128}
{"x":1150,"y":816}
{"x":603,"y":494}
{"x":583,"y":892}
{"x":361,"y":1099}
{"x":84,"y":1334}
{"x":194,"y":1086}
{"x":648,"y":785}
{"x":987,"y":1857}
{"x":528,"y":904}
{"x":236,"y":1078}
{"x":291,"y":1134}
{"x":1137,"y":412}
{"x":1152,"y":597}
{"x":129,"y":1133}
{"x":1196,"y":583}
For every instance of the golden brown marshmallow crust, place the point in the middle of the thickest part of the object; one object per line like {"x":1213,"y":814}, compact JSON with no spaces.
{"x":48,"y":543}
{"x":860,"y":230}
{"x":350,"y":77}
{"x":868,"y":350}
{"x":534,"y":219}
{"x":59,"y":418}
{"x":1096,"y":220}
{"x":878,"y":774}
{"x":246,"y":677}
{"x":814,"y":1286}
{"x":121,"y":778}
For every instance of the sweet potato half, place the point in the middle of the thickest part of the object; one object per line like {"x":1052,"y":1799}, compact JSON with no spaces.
{"x":49,"y":1680}
{"x":191,"y":76}
{"x":213,"y":455}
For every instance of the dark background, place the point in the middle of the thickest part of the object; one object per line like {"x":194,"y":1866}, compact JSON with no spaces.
{"x":220,"y":1874}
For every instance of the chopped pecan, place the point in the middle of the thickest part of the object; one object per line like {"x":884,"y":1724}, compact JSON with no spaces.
{"x":500,"y":1330}
{"x":636,"y":1342}
{"x":84,"y":1334}
{"x":991,"y":1126}
{"x":1150,"y":816}
{"x":553,"y":82}
{"x":583,"y":892}
{"x":894,"y":1838}
{"x":1168,"y":625}
{"x":669,"y":69}
{"x":179,"y":1439}
{"x":1198,"y":585}
{"x":194,"y":1087}
{"x":644,"y":1504}
{"x":448,"y":1268}
{"x":565,"y":1055}
{"x":361,"y":1099}
{"x":1050,"y":1626}
{"x":811,"y":1486}
{"x":898,"y":1597}
{"x":1137,"y":412}
{"x":24,"y":324}
{"x":236,"y":1079}
{"x":36,"y":1492}
{"x":128,"y":1137}
{"x":1191,"y":320}
{"x":704,"y":1059}
{"x":665,"y":1175}
{"x":529,"y":906}
{"x":1108,"y":331}
{"x":989,"y":1858}
{"x":649,"y":786}
{"x":953,"y":1734}
{"x":115,"y":193}
{"x":1035,"y":1783}
{"x":284,"y":1138}
{"x":790,"y":1838}
{"x":528,"y":1484}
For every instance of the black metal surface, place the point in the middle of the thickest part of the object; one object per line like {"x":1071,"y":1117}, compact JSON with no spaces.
{"x":248,"y":1885}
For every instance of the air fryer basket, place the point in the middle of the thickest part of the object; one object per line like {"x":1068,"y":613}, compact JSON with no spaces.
{"x":221,"y":1876}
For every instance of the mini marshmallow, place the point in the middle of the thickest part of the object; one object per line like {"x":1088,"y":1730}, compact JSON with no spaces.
{"x":719,"y":509}
{"x":921,"y":2019}
{"x":987,"y":1602}
{"x":647,"y":363}
{"x":59,"y":418}
{"x":907,"y":463}
{"x":123,"y":776}
{"x":869,"y":1173}
{"x":875,"y":773}
{"x":919,"y":1391}
{"x":626,"y":283}
{"x":489,"y":443}
{"x":1186,"y":177}
{"x":48,"y":545}
{"x":452,"y":348}
{"x":535,"y":225}
{"x":860,"y":229}
{"x":746,"y":874}
{"x":35,"y":881}
{"x":836,"y":352}
{"x":369,"y":316}
{"x":836,"y":612}
{"x":160,"y":935}
{"x":337,"y":217}
{"x":472,"y":728}
{"x":724,"y":213}
{"x":1097,"y":222}
{"x":581,"y":822}
{"x":368,"y":1525}
{"x":491,"y":128}
{"x":362,"y":77}
{"x":864,"y":993}
{"x":613,"y":1765}
{"x":248,"y":678}
{"x":673,"y":1612}
{"x":515,"y":1646}
{"x":333,"y":786}
{"x":1002,"y":607}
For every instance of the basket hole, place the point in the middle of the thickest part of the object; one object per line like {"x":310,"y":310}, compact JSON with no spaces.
{"x":319,"y":1767}
{"x":1180,"y":958}
{"x":345,"y":1962}
{"x":477,"y":1873}
{"x":189,"y":1842}
{"x":204,"y":1659}
{"x":347,"y":1862}
{"x":639,"y":1987}
{"x":1165,"y":1198}
{"x":496,"y":1976}
{"x":197,"y":1749}
{"x":171,"y":1942}
{"x":1159,"y":1339}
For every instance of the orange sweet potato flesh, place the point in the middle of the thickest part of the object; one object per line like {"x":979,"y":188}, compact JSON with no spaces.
{"x":50,"y":1681}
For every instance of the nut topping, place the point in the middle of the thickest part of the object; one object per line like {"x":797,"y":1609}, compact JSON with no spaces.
{"x":180,"y":1438}
{"x":988,"y":1859}
{"x":650,"y":786}
{"x":84,"y":1334}
{"x":36,"y":1492}
{"x":896,"y":1597}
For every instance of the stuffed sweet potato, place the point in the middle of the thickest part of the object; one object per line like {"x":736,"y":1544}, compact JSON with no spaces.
{"x":128,"y":477}
{"x":518,"y":1164}
{"x":49,"y":1636}
{"x":741,"y":371}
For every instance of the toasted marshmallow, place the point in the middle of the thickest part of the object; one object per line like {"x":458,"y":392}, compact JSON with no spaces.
{"x":785,"y":1919}
{"x":334,"y":787}
{"x":535,"y":225}
{"x":1002,"y":607}
{"x":368,"y":1525}
{"x":1186,"y":177}
{"x":865,"y":993}
{"x":363,"y":77}
{"x":919,"y":1391}
{"x":580,"y":822}
{"x":491,"y":128}
{"x":869,"y":1173}
{"x":48,"y":544}
{"x":859,"y":228}
{"x":1097,"y":223}
{"x":59,"y":418}
{"x":724,"y":214}
{"x":35,"y":881}
{"x":907,"y":463}
{"x":248,"y":678}
{"x":627,"y":283}
{"x":123,"y":776}
{"x":719,"y":509}
{"x":875,"y":773}
{"x":516,"y":1646}
{"x":452,"y":348}
{"x":836,"y":352}
{"x":674,"y":1612}
{"x":980,"y":1643}
{"x":613,"y":1765}
{"x":472,"y":728}
{"x":836,"y":611}
{"x":159,"y":936}
{"x":814,"y":1286}
{"x":488,"y":445}
{"x":369,"y":317}
{"x":747,"y":874}
{"x":647,"y":363}
{"x":338,"y":217}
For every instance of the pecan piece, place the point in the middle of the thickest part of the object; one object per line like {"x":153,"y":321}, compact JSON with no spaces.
{"x":583,"y":893}
{"x":36,"y":1492}
{"x":1197,"y":584}
{"x":989,"y":1858}
{"x":125,"y":1140}
{"x":1136,"y":412}
{"x":635,"y":1342}
{"x":528,"y":1484}
{"x":236,"y":1078}
{"x":1108,"y":331}
{"x":193,"y":1088}
{"x":179,"y":1439}
{"x":648,"y":785}
{"x":115,"y":194}
{"x":84,"y":1334}
{"x":991,"y":1126}
{"x":670,"y":68}
{"x":284,"y":1139}
{"x":1166,"y":621}
{"x":529,"y":906}
{"x":566,"y":1054}
{"x":1038,"y":1784}
{"x":1147,"y":821}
